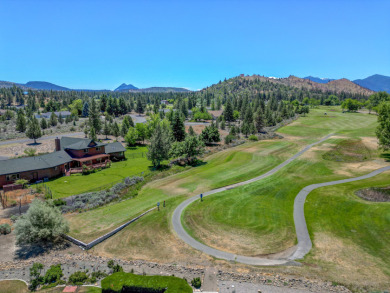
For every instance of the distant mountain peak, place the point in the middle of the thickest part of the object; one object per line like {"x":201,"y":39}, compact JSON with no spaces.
{"x":125,"y":87}
{"x":318,"y":79}
{"x":375,"y":82}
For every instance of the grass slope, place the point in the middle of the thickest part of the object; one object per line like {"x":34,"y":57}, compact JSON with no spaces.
{"x":13,"y":286}
{"x":77,"y":183}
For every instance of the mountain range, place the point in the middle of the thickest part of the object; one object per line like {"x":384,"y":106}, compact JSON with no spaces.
{"x":375,"y":82}
{"x":44,"y":85}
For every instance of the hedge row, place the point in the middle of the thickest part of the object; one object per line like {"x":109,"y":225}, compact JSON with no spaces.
{"x":130,"y":283}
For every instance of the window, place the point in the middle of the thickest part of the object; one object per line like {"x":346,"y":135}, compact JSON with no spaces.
{"x":12,"y":177}
{"x":98,"y":148}
{"x":86,"y":150}
{"x":55,"y":168}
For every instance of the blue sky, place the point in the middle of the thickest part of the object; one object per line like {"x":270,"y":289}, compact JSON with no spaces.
{"x":192,"y":44}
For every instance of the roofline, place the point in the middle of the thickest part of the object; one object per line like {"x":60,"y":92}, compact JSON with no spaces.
{"x":34,"y":169}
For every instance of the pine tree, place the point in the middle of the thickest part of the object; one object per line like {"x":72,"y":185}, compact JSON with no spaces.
{"x":85,"y":110}
{"x":259,"y":121}
{"x":160,"y":145}
{"x":21,"y":123}
{"x":106,"y":130}
{"x":94,"y":117}
{"x":178,"y":128}
{"x":92,"y":133}
{"x":124,"y":129}
{"x":53,"y":119}
{"x":33,"y":130}
{"x":140,"y":107}
{"x":191,"y":131}
{"x":60,"y":119}
{"x":115,"y":130}
{"x":228,"y":113}
{"x":43,"y":123}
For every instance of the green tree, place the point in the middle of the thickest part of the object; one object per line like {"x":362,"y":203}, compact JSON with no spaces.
{"x":53,"y":119}
{"x":21,"y":124}
{"x":160,"y":144}
{"x":41,"y":223}
{"x":85,"y":111}
{"x":190,"y":148}
{"x":191,"y":131}
{"x":383,"y":128}
{"x":210,"y":134}
{"x":259,"y":121}
{"x":140,"y":107}
{"x":178,"y":128}
{"x":115,"y":130}
{"x":142,"y":131}
{"x":33,"y":130}
{"x":94,"y":116}
{"x":124,"y":129}
{"x":92,"y":133}
{"x":106,"y":129}
{"x":131,"y":136}
{"x":60,"y":119}
{"x":228,"y":113}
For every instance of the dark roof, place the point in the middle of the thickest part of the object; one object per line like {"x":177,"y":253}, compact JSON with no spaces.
{"x":114,"y":147}
{"x":34,"y":163}
{"x":74,"y":143}
{"x":47,"y":115}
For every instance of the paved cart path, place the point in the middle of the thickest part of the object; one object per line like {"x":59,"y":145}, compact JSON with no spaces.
{"x":304,"y":243}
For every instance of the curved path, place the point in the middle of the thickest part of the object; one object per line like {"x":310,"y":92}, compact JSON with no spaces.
{"x":304,"y":242}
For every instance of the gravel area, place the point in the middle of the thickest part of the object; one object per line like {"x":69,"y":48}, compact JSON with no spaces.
{"x":243,"y":287}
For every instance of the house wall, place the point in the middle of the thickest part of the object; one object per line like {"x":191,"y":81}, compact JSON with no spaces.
{"x":80,"y":153}
{"x":43,"y":173}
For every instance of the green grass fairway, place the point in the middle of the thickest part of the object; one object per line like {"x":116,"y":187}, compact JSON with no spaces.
{"x":227,"y":167}
{"x":13,"y":286}
{"x":77,"y":183}
{"x":349,"y":232}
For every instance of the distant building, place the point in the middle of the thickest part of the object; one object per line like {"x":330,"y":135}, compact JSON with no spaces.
{"x":164,"y":102}
{"x":242,"y":75}
{"x":47,"y":115}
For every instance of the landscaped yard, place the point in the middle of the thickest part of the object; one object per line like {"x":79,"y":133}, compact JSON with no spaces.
{"x":78,"y":183}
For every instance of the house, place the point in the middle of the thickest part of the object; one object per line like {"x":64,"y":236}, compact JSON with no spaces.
{"x":34,"y":168}
{"x":70,"y":155}
{"x":47,"y":115}
{"x":164,"y":102}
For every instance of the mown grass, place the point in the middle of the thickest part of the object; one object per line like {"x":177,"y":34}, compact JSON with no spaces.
{"x":222,"y":168}
{"x":13,"y":286}
{"x":78,"y":183}
{"x":359,"y":228}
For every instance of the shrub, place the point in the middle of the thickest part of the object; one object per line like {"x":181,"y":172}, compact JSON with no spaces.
{"x":14,"y":218}
{"x":59,"y":202}
{"x":23,"y":182}
{"x":53,"y":275}
{"x":229,"y":138}
{"x":127,"y":282}
{"x":196,"y":283}
{"x":30,"y":228}
{"x":5,"y":229}
{"x":78,"y":278}
{"x":253,"y":137}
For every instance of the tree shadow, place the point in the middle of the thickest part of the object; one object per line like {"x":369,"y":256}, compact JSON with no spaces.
{"x":27,"y":251}
{"x":385,"y":156}
{"x":34,"y":143}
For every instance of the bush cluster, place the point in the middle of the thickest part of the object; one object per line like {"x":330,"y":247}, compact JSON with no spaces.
{"x":95,"y":199}
{"x":5,"y":229}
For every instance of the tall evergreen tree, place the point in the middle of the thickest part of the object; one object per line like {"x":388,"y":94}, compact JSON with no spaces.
{"x":43,"y":123}
{"x":160,"y":145}
{"x":33,"y":130}
{"x":94,"y":117}
{"x":21,"y":124}
{"x":228,"y":113}
{"x":53,"y":119}
{"x":85,"y":110}
{"x":178,"y":128}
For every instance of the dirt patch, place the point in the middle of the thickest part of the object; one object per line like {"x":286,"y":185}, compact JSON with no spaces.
{"x":370,"y":142}
{"x":344,"y":257}
{"x":374,"y":194}
{"x":349,"y":169}
{"x":349,"y":151}
{"x":16,"y":197}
